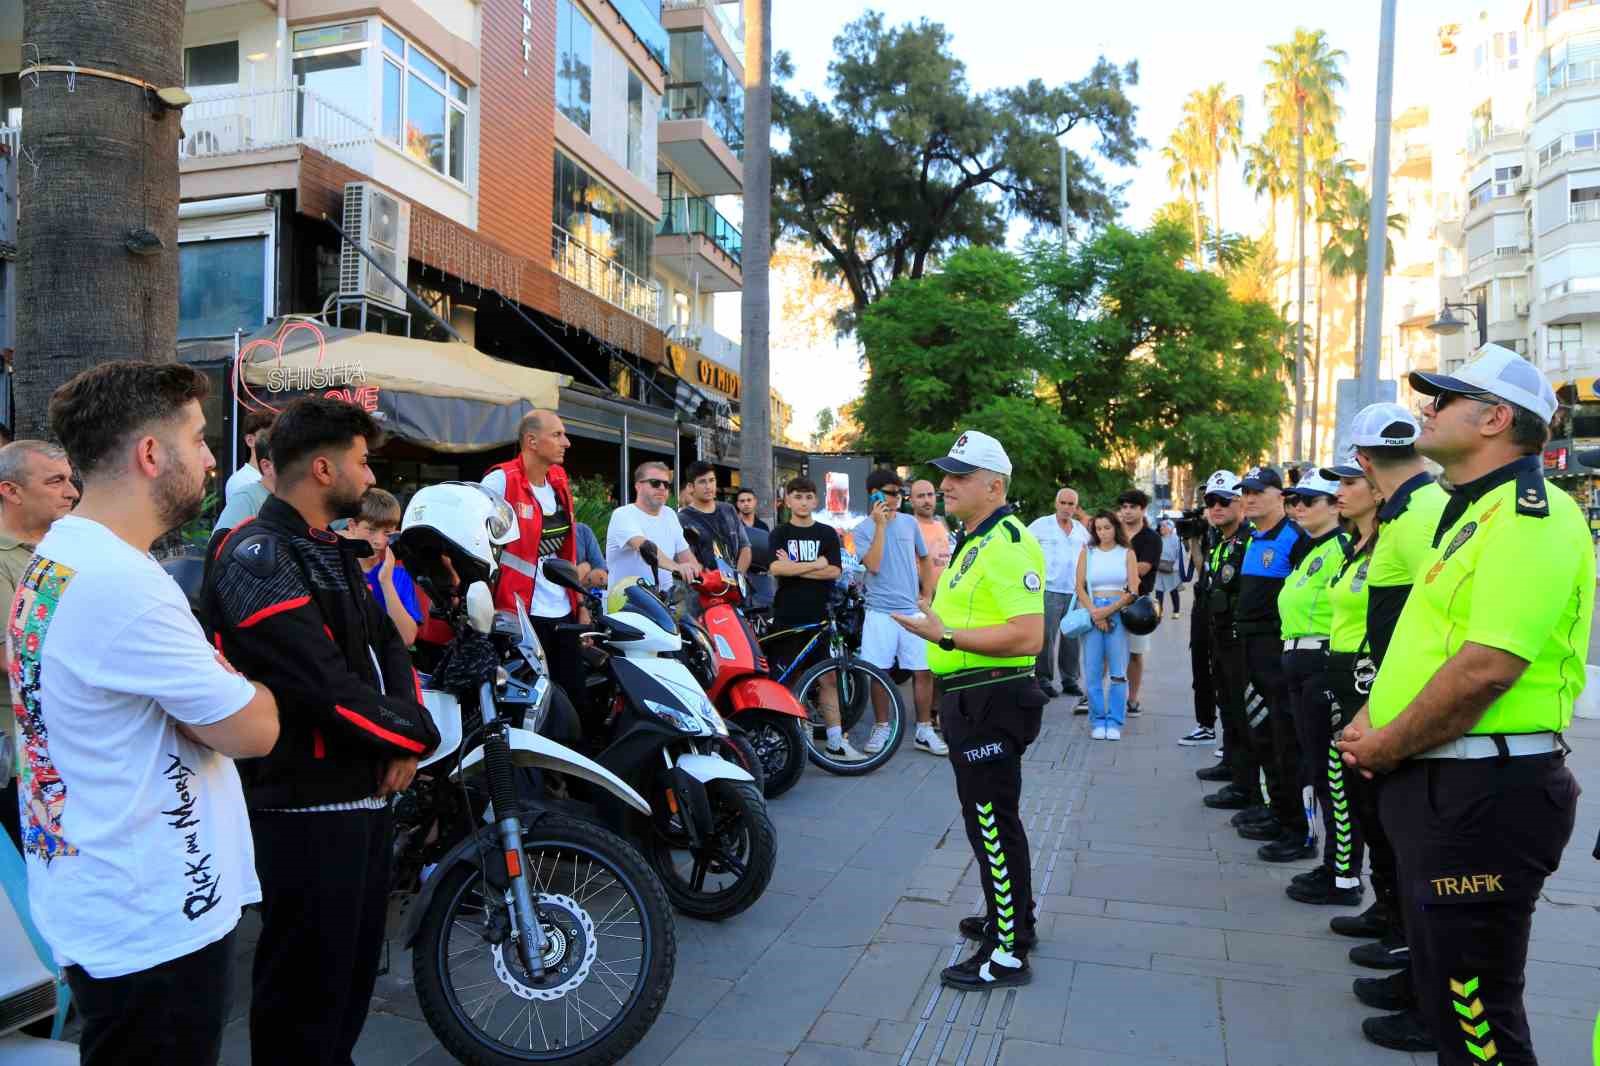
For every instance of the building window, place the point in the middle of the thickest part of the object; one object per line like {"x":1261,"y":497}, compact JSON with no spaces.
{"x":702,"y":85}
{"x":221,"y":286}
{"x":211,"y":65}
{"x":424,"y":108}
{"x":636,"y":113}
{"x":599,"y":218}
{"x":330,"y":62}
{"x":1479,"y":195}
{"x":574,"y":64}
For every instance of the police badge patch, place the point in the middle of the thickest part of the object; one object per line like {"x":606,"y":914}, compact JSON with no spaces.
{"x":1268,"y":555}
{"x":1461,"y":537}
{"x":1361,"y":576}
{"x":966,"y":564}
{"x":1227,"y":573}
{"x":1031,"y":582}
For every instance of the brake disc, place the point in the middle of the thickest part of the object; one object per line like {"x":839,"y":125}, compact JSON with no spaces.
{"x":570,"y":950}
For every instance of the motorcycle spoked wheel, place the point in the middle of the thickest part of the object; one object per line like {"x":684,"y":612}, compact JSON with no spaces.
{"x":740,"y":853}
{"x":611,"y":951}
{"x":779,"y":742}
{"x":738,"y":748}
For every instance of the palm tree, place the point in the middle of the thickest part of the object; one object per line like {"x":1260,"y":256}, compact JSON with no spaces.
{"x":1346,"y":253}
{"x":755,"y":438}
{"x":1328,"y":173}
{"x":1305,"y":75}
{"x":1216,"y":118}
{"x":1186,"y":156}
{"x":1265,"y":171}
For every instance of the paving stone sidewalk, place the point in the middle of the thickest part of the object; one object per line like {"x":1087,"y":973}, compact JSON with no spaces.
{"x":1164,"y":942}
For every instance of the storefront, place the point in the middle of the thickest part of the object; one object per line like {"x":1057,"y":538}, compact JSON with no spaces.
{"x":1575,"y":430}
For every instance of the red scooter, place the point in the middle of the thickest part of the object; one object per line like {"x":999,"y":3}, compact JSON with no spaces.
{"x":723,"y":652}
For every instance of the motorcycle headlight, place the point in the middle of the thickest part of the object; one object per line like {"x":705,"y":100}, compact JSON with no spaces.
{"x":708,"y":711}
{"x":676,"y":717}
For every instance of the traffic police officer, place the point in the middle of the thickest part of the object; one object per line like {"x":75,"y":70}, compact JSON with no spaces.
{"x":1224,"y":557}
{"x":1466,"y":715}
{"x":986,"y":623}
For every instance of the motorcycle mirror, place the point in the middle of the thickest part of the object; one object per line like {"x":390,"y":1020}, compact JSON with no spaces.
{"x":480,"y":607}
{"x":563,"y":573}
{"x":651,"y":557}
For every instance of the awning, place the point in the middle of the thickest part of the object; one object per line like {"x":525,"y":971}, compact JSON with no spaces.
{"x":446,"y":396}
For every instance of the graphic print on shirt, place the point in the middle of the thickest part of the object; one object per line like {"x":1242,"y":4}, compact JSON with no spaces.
{"x":43,"y":794}
{"x":804,"y":551}
{"x":202,"y":885}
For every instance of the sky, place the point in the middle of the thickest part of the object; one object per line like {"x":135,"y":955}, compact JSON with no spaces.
{"x":1180,"y":46}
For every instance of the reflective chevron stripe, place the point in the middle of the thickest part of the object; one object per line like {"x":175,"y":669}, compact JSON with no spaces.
{"x":1343,"y":835}
{"x":1005,"y":913}
{"x":1469,"y":1006}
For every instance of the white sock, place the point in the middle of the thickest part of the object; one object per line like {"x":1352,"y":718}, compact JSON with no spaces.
{"x":1347,"y":882}
{"x":835,"y":734}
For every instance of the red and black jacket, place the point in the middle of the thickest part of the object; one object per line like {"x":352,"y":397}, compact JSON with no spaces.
{"x":289,"y":607}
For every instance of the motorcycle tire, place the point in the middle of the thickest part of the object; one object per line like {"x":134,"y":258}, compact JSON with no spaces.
{"x":779,"y":742}
{"x":740,"y":750}
{"x":738,"y":807}
{"x":432,"y":959}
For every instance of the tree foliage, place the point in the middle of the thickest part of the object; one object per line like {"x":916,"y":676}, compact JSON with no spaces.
{"x":1077,"y":360}
{"x":906,"y":163}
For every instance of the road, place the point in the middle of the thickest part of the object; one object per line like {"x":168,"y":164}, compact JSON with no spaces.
{"x":1163,"y":941}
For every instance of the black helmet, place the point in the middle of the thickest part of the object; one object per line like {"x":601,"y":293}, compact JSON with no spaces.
{"x":1139,"y":617}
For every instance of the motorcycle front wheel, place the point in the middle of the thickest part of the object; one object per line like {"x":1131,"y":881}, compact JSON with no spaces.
{"x":730,"y":869}
{"x":608,"y":963}
{"x":779,"y":742}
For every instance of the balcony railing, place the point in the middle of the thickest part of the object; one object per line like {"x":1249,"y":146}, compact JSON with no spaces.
{"x":270,"y":118}
{"x":1584,"y":211}
{"x":686,"y":100}
{"x":1503,"y":252}
{"x":1482,"y":136}
{"x":1581,"y":73}
{"x":606,"y":278}
{"x":688,"y":215}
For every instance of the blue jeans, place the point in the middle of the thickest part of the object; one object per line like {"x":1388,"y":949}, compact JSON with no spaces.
{"x":1106,"y":653}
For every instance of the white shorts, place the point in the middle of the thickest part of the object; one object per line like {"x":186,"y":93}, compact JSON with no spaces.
{"x":1139,"y":644}
{"x":883,"y":641}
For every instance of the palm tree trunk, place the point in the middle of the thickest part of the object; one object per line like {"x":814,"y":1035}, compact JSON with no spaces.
{"x":106,"y":167}
{"x":1300,"y":314}
{"x":755,"y":436}
{"x":1361,"y":284}
{"x":1194,"y":215}
{"x":1216,"y":209}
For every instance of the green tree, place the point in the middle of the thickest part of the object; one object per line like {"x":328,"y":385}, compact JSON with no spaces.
{"x":1305,"y":75}
{"x":1217,"y":118}
{"x":906,"y":163}
{"x":1266,"y":172}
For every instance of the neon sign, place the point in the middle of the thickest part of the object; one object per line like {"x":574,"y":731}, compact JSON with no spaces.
{"x":337,"y":381}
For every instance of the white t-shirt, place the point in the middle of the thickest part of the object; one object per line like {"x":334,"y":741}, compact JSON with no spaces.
{"x":663,"y":530}
{"x":1061,"y":552}
{"x":240,"y":480}
{"x":549,"y":599}
{"x":137,"y":840}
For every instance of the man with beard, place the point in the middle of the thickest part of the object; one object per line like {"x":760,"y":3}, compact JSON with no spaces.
{"x":134,"y":826}
{"x":291,"y":609}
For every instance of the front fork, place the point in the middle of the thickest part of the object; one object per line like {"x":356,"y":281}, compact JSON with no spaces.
{"x":526,"y":931}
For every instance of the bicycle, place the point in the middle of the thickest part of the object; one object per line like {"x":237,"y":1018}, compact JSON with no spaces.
{"x":853,"y":679}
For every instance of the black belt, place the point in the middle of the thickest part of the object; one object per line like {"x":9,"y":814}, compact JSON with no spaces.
{"x":983,"y":675}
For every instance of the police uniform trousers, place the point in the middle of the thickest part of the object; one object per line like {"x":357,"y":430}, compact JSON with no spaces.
{"x":1231,"y":682}
{"x":1272,"y":734}
{"x":1343,"y":842}
{"x":1305,"y":673}
{"x":1366,"y":823}
{"x":990,"y":717}
{"x":1205,"y":694}
{"x":1476,"y":839}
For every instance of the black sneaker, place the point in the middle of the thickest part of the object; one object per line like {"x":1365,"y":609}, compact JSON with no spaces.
{"x":1197,"y":737}
{"x":1387,"y":993}
{"x":1291,"y":847}
{"x":1266,"y":831}
{"x":1134,"y":710}
{"x":1229,"y":798}
{"x":1214,"y":773}
{"x":1319,"y":875}
{"x":1390,"y":953}
{"x":1261,"y":813}
{"x":976,"y":927}
{"x":1083,"y":706}
{"x":988,"y":967}
{"x":1371,"y":924}
{"x":1324,"y":890}
{"x":1399,"y":1032}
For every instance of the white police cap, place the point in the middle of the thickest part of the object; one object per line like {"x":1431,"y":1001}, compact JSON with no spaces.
{"x":1499,"y":372}
{"x":974,"y":451}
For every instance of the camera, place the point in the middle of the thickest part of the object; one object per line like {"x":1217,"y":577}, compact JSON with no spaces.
{"x":1191,"y":525}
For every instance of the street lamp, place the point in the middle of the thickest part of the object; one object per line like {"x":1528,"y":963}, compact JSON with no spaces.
{"x":1448,"y":324}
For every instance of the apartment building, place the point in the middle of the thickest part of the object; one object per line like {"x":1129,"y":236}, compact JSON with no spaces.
{"x":520,"y":142}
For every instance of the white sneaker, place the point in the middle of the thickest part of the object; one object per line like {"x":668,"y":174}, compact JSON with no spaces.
{"x":844,"y":752}
{"x":1113,"y":733}
{"x":1098,"y":732}
{"x":931,"y":743}
{"x":879,"y":737}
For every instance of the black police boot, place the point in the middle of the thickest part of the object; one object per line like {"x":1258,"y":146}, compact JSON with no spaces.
{"x":988,"y":967}
{"x":1267,"y":830}
{"x":976,"y":927}
{"x":1215,"y":773}
{"x":1371,"y":924}
{"x":1390,"y":953}
{"x":1387,"y":993}
{"x":1291,"y":847}
{"x":1229,"y":798}
{"x":1399,"y":1032}
{"x":1320,"y":886}
{"x":1261,"y":813}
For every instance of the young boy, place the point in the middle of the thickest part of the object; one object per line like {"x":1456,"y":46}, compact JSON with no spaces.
{"x":388,"y":580}
{"x":805,"y":560}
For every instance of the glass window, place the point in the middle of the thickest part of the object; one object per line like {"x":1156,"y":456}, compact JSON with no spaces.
{"x":395,"y":43}
{"x":458,"y":92}
{"x":330,"y":36}
{"x":393,"y":101}
{"x":211,"y":64}
{"x":1583,"y":140}
{"x":635,"y":161}
{"x":574,"y":63}
{"x":425,"y":130}
{"x":458,"y":144}
{"x":221,"y":286}
{"x":421,"y":64}
{"x":417,"y":116}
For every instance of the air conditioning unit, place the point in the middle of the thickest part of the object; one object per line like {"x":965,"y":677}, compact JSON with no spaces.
{"x":1523,"y":183}
{"x":381,"y":224}
{"x":1522,"y":310}
{"x":214,"y":135}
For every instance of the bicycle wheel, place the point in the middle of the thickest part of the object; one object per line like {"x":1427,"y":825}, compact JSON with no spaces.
{"x":858,"y":686}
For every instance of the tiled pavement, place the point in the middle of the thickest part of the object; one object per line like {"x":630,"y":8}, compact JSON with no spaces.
{"x":1163,"y":941}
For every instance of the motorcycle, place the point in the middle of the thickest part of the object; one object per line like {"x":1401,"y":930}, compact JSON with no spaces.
{"x":726,"y":658}
{"x":710,"y":839}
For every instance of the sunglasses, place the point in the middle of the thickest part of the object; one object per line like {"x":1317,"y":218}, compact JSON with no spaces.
{"x":656,"y":482}
{"x":891,"y":492}
{"x":1443,"y":399}
{"x":1218,"y":501}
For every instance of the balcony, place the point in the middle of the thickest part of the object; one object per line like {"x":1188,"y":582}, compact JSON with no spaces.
{"x":1414,"y":160}
{"x":1487,"y":138}
{"x":693,"y":238}
{"x":1573,"y":300}
{"x":728,"y":15}
{"x":268,"y":119}
{"x":703,"y":137}
{"x":1567,"y":76}
{"x":606,"y":278}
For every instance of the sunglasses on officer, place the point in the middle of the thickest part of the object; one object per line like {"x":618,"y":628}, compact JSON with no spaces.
{"x":1443,"y":399}
{"x":1219,"y":501}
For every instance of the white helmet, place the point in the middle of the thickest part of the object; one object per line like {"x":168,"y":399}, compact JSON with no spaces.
{"x":460,"y":520}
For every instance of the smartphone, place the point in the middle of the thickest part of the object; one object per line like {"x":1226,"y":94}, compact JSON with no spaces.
{"x":876,"y":498}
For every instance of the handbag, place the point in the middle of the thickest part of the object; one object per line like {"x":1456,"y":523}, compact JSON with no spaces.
{"x":1166,"y":566}
{"x":1077,"y":622}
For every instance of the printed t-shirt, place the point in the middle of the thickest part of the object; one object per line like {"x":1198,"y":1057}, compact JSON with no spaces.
{"x":803,"y":599}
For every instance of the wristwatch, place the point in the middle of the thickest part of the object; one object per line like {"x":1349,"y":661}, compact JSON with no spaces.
{"x":948,"y":641}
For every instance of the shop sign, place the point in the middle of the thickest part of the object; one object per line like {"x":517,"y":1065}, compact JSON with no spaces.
{"x":527,"y":35}
{"x":1555,"y":459}
{"x":716,"y":376}
{"x":336,"y":381}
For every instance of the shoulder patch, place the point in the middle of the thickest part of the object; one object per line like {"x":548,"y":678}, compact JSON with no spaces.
{"x":257,"y":553}
{"x":1531,"y":498}
{"x":1031,"y":582}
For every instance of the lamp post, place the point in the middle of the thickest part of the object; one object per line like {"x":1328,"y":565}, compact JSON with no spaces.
{"x":1378,"y":213}
{"x":1447,"y":324}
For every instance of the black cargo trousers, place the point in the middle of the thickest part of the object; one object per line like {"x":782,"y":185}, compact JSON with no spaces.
{"x":990,"y":717}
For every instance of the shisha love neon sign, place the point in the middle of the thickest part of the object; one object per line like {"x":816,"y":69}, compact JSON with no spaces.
{"x":283,"y":378}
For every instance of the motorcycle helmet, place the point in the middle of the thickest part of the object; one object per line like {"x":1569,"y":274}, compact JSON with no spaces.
{"x":458,"y":521}
{"x":1139,"y":617}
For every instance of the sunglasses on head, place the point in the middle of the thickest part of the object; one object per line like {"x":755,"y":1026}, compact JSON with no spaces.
{"x":656,"y":482}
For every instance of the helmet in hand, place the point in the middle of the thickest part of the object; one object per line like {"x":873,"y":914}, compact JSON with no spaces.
{"x":1140,"y":617}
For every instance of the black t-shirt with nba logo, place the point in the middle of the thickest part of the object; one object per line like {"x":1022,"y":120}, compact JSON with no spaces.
{"x":803,"y":599}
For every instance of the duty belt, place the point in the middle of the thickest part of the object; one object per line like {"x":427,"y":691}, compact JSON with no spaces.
{"x":982,"y":675}
{"x":519,"y":564}
{"x":1306,"y":644}
{"x":1483,"y":746}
